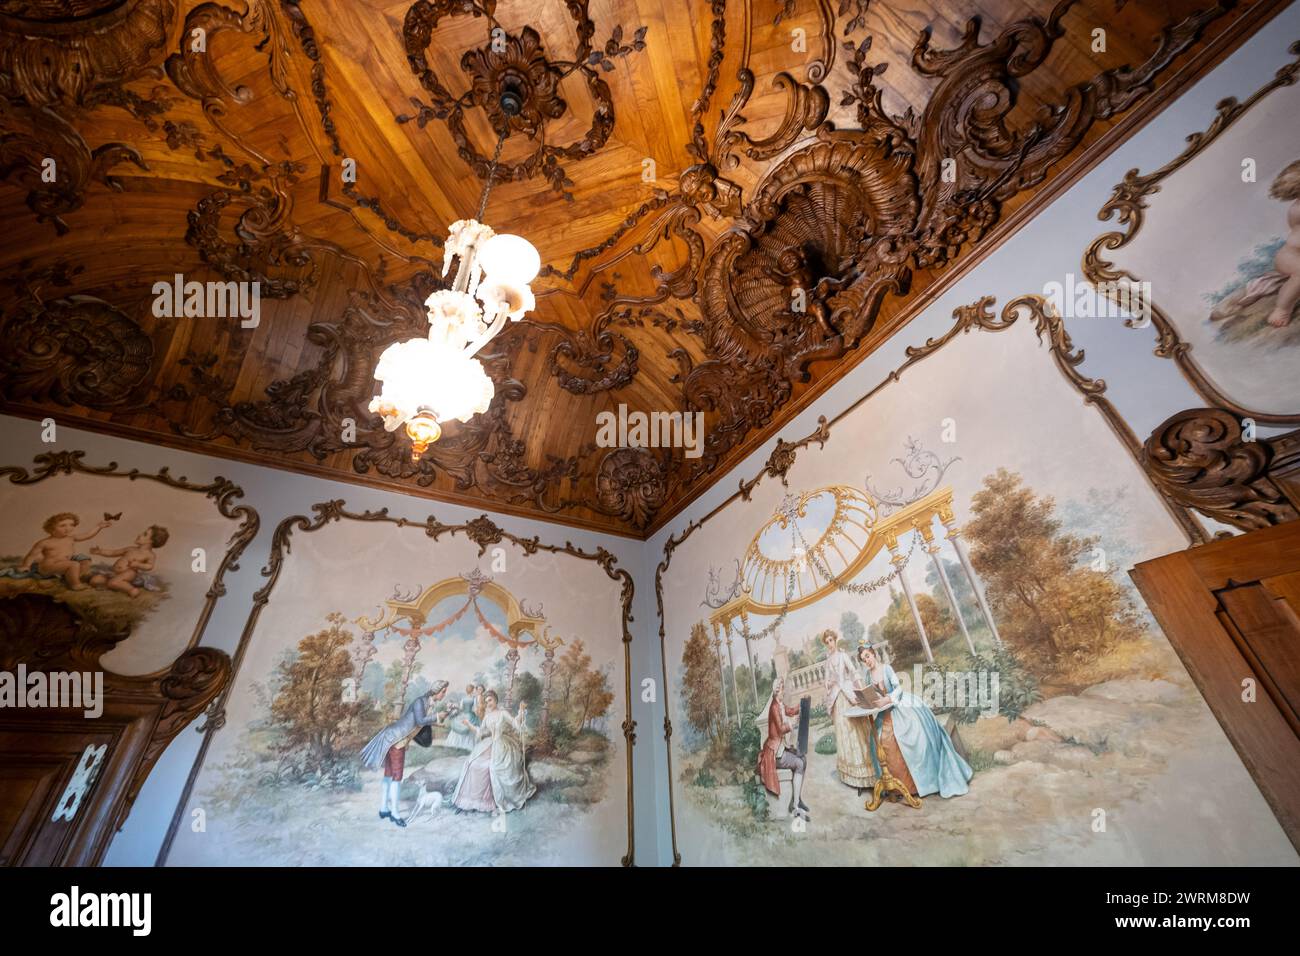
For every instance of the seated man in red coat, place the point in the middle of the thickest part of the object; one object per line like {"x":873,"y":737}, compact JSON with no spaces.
{"x":775,"y":755}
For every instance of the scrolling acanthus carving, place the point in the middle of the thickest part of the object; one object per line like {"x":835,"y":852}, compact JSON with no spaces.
{"x":1200,"y":458}
{"x":630,"y":483}
{"x":838,"y":225}
{"x":79,"y":54}
{"x":76,"y":350}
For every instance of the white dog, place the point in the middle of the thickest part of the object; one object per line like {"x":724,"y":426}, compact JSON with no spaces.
{"x":425,"y":800}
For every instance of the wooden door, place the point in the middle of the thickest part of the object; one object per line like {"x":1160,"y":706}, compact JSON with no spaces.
{"x":1231,"y":609}
{"x":67,"y":780}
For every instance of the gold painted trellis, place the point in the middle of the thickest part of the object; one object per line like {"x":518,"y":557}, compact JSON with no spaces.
{"x":858,"y":531}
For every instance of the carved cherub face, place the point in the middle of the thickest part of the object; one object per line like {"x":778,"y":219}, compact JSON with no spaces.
{"x":791,"y":261}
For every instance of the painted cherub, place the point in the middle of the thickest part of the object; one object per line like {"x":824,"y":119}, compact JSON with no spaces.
{"x":53,"y":555}
{"x":1287,"y":188}
{"x":1285,"y":277}
{"x":131,"y":561}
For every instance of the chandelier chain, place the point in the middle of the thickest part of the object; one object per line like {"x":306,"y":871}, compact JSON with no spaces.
{"x":492,"y":169}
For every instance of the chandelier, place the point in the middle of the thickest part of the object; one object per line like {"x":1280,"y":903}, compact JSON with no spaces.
{"x":429,"y":381}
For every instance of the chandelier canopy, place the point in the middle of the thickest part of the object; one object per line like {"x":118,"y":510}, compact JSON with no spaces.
{"x":429,"y":381}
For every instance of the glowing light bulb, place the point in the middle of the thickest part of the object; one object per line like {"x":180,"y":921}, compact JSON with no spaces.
{"x":509,"y":257}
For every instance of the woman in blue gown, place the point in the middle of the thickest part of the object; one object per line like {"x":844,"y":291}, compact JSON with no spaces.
{"x":932,"y":761}
{"x":462,"y":728}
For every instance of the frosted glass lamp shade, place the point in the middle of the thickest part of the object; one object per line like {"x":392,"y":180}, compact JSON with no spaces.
{"x":509,"y":257}
{"x":421,"y":375}
{"x":510,"y":296}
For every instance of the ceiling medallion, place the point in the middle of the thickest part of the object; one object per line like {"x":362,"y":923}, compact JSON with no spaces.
{"x":519,"y":71}
{"x":432,"y":380}
{"x":518,"y":66}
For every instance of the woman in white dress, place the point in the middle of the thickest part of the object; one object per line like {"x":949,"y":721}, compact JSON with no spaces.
{"x":852,"y":742}
{"x":494,"y":778}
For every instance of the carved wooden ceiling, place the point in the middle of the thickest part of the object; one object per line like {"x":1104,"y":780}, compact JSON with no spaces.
{"x":682,"y":166}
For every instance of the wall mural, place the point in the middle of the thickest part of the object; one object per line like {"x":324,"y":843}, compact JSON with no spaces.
{"x":938,"y":616}
{"x":436,"y":700}
{"x":145,"y":554}
{"x":1215,"y":233}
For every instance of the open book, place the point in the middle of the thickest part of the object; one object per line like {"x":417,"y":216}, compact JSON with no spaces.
{"x":868,"y":702}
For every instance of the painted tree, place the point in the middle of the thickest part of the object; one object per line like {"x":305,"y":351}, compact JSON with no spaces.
{"x":528,"y":690}
{"x":394,"y":678}
{"x":898,"y":627}
{"x":851,"y":628}
{"x":1050,"y":603}
{"x":316,"y":720}
{"x":580,"y":694}
{"x":702,"y":686}
{"x":592,"y":698}
{"x":572,"y":663}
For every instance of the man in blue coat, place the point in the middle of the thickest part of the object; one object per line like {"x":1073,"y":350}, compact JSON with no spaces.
{"x":388,"y":747}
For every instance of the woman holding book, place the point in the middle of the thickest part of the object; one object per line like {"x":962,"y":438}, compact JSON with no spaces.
{"x":917,"y":749}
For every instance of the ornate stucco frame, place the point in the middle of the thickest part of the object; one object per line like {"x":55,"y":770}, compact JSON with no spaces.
{"x":1048,"y":327}
{"x":483,"y":532}
{"x":1128,"y":207}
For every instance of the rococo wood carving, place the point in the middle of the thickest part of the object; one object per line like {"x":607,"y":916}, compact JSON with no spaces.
{"x":1207,"y":459}
{"x":728,"y":221}
{"x":140,"y":716}
{"x":1201,"y":459}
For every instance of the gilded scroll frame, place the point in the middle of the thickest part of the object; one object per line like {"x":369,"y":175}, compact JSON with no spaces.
{"x":1127,"y":206}
{"x":1049,"y":328}
{"x":482,"y":531}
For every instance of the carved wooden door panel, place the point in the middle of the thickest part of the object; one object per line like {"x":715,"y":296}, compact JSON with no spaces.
{"x":1232,"y":611}
{"x":67,"y":780}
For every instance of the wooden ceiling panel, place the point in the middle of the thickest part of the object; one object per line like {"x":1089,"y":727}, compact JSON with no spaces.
{"x":682,"y":166}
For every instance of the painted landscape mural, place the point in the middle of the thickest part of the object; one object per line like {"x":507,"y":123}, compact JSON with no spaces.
{"x":469,"y":711}
{"x":925,"y":648}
